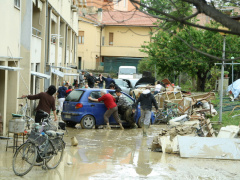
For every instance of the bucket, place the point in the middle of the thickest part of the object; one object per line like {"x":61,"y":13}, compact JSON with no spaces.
{"x":16,"y":126}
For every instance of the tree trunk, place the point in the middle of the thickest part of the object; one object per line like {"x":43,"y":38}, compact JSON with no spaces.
{"x":194,"y":82}
{"x":202,"y":77}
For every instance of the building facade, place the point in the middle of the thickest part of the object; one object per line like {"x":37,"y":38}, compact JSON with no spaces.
{"x":38,"y":48}
{"x":112,"y":38}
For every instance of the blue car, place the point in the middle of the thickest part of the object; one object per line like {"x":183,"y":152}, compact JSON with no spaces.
{"x":77,"y":108}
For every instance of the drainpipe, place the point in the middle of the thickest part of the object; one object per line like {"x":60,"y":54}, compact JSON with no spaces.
{"x":49,"y":34}
{"x":100,"y":51}
{"x":74,"y":48}
{"x":66,"y":39}
{"x":46,"y":45}
{"x":46,"y":30}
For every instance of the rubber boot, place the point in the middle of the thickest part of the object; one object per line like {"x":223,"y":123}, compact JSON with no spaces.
{"x":134,"y":126}
{"x":145,"y":127}
{"x":122,"y":128}
{"x":108,"y":126}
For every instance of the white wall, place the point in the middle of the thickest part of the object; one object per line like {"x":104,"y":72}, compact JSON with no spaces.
{"x":36,"y":49}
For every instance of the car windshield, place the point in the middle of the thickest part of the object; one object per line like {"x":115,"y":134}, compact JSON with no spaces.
{"x":133,"y":81}
{"x":127,"y":71}
{"x":74,"y":96}
{"x":119,"y":82}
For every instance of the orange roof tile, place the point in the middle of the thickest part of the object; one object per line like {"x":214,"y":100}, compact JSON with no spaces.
{"x":124,"y":18}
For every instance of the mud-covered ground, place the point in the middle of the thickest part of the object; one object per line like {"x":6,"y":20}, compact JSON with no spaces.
{"x":117,"y":154}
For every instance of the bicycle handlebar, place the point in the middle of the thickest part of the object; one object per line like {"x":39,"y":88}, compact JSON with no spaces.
{"x":21,"y":98}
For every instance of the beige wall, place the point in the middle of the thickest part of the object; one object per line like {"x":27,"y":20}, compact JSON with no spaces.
{"x":9,"y":46}
{"x":126,"y":42}
{"x":90,"y":48}
{"x":63,"y":7}
{"x":10,"y":28}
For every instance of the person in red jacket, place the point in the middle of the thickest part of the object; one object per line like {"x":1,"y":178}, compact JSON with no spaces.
{"x":112,"y":108}
{"x":69,"y":90}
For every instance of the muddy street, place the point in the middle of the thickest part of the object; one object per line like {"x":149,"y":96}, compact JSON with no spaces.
{"x":117,"y":154}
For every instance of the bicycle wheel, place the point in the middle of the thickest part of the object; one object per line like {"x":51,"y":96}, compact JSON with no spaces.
{"x":56,"y":157}
{"x":24,"y":159}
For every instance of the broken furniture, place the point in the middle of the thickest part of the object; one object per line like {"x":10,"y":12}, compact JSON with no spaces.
{"x":204,"y":147}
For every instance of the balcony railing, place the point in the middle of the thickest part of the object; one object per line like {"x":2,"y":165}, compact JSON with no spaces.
{"x":36,"y":32}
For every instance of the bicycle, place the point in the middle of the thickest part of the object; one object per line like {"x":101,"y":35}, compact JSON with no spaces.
{"x":43,"y":146}
{"x":24,"y":112}
{"x":166,"y":115}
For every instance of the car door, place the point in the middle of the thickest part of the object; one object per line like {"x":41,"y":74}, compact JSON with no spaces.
{"x":97,"y":108}
{"x":111,"y":119}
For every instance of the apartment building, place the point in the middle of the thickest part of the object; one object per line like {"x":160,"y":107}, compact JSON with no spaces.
{"x":110,"y":39}
{"x":38,"y":48}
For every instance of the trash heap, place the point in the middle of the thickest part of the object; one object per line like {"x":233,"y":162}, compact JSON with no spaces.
{"x":193,"y":136}
{"x":189,"y":131}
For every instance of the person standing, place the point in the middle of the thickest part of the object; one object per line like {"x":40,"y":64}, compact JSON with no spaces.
{"x":100,"y":81}
{"x":91,"y":80}
{"x":146,"y":101}
{"x":46,"y":103}
{"x":81,"y":79}
{"x":125,"y":108}
{"x":112,"y":108}
{"x":158,"y":87}
{"x":108,"y":81}
{"x":69,"y":90}
{"x":61,"y":94}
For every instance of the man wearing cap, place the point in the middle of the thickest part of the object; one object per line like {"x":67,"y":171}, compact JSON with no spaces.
{"x":146,"y":101}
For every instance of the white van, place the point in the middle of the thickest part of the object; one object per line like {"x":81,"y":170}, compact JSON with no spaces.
{"x":126,"y":72}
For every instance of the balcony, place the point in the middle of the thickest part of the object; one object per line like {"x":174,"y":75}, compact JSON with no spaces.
{"x":74,"y":8}
{"x":36,"y":32}
{"x":36,"y":46}
{"x":52,"y":53}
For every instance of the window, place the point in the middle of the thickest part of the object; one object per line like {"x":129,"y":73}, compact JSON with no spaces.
{"x":74,"y":96}
{"x":103,"y":41}
{"x":110,"y":39}
{"x":17,"y":3}
{"x":80,"y":37}
{"x":95,"y":94}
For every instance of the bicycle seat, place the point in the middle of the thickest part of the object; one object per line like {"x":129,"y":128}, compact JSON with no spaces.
{"x":44,"y":114}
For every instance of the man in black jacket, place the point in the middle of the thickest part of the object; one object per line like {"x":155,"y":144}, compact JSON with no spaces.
{"x":146,"y":100}
{"x":91,"y":80}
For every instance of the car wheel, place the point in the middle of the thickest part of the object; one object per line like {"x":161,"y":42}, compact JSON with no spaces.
{"x":139,"y":123}
{"x":87,"y":122}
{"x":70,"y":123}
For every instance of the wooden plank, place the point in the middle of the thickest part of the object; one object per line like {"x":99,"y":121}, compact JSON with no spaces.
{"x":204,"y":147}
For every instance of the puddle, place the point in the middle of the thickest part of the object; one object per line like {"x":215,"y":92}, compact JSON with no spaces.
{"x":117,"y":154}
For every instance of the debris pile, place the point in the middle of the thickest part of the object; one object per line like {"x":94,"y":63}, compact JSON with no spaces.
{"x":193,"y":136}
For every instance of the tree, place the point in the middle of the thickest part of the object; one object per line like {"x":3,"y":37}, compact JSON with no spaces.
{"x":171,"y":11}
{"x":171,"y":54}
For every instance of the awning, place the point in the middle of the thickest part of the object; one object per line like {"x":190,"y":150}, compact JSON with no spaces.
{"x":70,"y":74}
{"x":9,"y":68}
{"x":40,"y":75}
{"x":57,"y":72}
{"x":67,"y":68}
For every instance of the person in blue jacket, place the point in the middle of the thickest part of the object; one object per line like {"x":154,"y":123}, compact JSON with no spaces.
{"x":108,"y":81}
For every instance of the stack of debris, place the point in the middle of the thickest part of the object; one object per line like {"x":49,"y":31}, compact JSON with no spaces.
{"x":189,"y":136}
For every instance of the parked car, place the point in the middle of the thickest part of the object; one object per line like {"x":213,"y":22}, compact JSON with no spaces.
{"x":77,"y":108}
{"x":131,"y":82}
{"x":123,"y":85}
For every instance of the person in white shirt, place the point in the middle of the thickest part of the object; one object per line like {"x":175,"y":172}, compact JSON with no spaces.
{"x":158,"y":87}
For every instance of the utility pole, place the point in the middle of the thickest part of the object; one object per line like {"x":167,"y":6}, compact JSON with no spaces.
{"x":222,"y":73}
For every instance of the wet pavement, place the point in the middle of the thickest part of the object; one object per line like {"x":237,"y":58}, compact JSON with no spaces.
{"x":117,"y":154}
